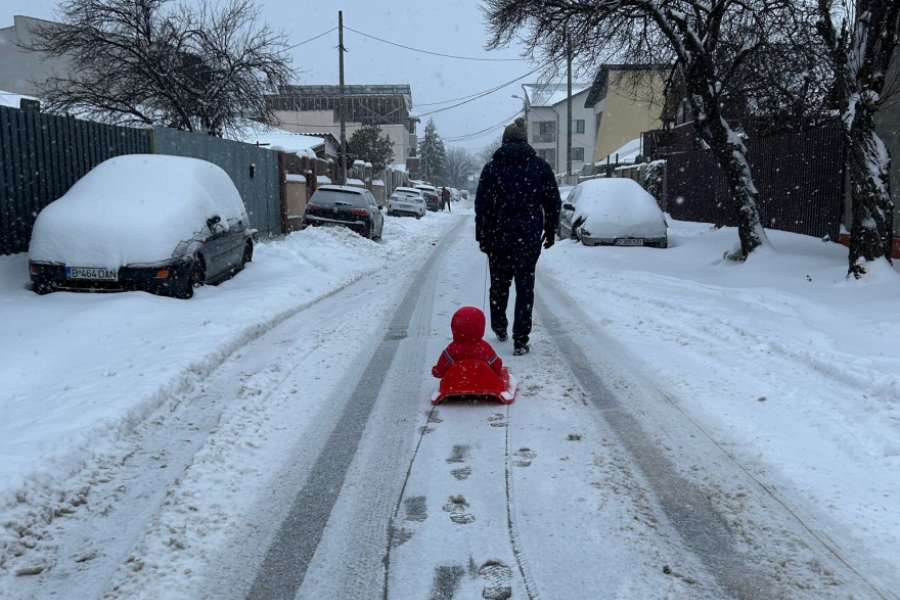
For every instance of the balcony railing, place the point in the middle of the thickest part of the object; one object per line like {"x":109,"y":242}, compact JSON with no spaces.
{"x":543,"y":138}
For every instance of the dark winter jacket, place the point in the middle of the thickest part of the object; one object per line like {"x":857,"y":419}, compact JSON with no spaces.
{"x":517,"y":200}
{"x":468,"y":325}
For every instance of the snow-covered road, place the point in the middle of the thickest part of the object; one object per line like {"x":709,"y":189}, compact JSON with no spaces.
{"x":311,"y":464}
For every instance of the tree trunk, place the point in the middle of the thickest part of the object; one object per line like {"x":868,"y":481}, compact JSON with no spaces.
{"x":731,"y":154}
{"x":869,"y":163}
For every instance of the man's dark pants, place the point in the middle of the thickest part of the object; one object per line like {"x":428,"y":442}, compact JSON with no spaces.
{"x":506,"y":266}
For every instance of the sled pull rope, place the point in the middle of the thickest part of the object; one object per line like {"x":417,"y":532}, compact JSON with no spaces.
{"x":487,"y":261}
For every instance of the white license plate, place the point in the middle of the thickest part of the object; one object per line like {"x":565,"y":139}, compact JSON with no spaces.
{"x":92,"y":273}
{"x":628,"y":242}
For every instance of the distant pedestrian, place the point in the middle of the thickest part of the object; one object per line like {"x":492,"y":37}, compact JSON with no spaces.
{"x":516,"y":209}
{"x":445,"y":199}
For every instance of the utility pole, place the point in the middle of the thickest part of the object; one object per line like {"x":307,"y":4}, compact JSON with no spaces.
{"x":569,"y":110}
{"x":341,"y":51}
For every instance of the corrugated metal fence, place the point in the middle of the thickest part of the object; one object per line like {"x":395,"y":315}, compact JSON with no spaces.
{"x":253,"y":170}
{"x":42,"y":156}
{"x":800,"y":178}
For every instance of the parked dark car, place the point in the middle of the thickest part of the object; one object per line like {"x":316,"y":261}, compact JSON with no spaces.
{"x":432,"y":198}
{"x":345,"y":206}
{"x":162,"y":224}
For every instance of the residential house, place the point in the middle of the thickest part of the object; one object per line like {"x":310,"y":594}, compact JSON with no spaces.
{"x":625,"y":100}
{"x":547,"y":114}
{"x":21,"y":69}
{"x":316,"y":109}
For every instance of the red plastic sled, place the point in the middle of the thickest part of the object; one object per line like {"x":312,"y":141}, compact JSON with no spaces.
{"x":469,"y":377}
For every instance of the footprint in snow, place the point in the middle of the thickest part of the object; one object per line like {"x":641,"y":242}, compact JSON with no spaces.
{"x":498,"y":577}
{"x":524,"y":456}
{"x":460,"y":454}
{"x":457,"y":506}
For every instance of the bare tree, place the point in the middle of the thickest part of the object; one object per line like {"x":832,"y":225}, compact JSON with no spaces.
{"x":156,"y":62}
{"x":708,"y":41}
{"x":458,"y":164}
{"x":487,"y":153}
{"x":862,"y":37}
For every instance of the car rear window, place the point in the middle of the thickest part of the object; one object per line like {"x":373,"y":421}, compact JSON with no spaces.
{"x":327,"y":198}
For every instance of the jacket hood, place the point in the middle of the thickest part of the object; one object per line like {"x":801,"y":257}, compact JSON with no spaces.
{"x":467,"y":325}
{"x":514,"y":153}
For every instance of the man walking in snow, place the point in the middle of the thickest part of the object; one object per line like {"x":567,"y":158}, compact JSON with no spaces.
{"x":516,"y":209}
{"x":445,"y":199}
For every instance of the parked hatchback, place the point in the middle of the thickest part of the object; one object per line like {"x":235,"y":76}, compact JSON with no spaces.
{"x":345,"y":206}
{"x":407,"y":202}
{"x":163,"y":224}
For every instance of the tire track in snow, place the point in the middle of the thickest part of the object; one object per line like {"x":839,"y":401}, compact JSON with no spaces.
{"x":688,"y":507}
{"x":289,"y":556}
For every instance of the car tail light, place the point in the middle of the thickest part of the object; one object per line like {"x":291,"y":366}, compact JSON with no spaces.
{"x":162,"y":274}
{"x":359,"y":212}
{"x":313,"y":208}
{"x":31,"y":269}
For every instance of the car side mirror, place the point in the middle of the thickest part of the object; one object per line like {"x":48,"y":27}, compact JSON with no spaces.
{"x":568,"y":206}
{"x":213,"y":221}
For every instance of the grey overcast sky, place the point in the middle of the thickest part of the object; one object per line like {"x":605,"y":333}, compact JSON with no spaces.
{"x":446,"y":26}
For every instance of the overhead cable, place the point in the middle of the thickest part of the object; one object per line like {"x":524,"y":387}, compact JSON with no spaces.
{"x":311,"y":39}
{"x":429,"y":52}
{"x":481,"y":95}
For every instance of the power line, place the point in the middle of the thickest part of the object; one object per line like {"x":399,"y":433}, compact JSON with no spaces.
{"x":311,"y":39}
{"x":477,"y":134}
{"x":429,"y":52}
{"x":481,"y":95}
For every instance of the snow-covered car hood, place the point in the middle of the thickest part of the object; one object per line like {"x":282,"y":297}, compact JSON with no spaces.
{"x":134,"y":209}
{"x":617,"y":207}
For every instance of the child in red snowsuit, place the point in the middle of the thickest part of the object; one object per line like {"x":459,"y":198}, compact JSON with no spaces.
{"x":467,"y":325}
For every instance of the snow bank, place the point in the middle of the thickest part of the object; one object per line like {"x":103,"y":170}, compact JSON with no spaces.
{"x":134,"y":209}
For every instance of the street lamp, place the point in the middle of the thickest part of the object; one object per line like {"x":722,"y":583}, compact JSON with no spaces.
{"x":525,"y":109}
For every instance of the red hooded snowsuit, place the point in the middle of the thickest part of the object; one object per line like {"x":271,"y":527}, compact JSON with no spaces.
{"x":467,"y":325}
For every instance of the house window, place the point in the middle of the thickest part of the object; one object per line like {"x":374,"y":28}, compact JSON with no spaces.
{"x":578,"y":126}
{"x":544,"y":131}
{"x":578,"y":154}
{"x":548,"y":154}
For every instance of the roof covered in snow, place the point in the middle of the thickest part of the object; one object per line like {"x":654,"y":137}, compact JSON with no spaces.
{"x":627,"y":153}
{"x":551,"y":94}
{"x":12,"y":100}
{"x":274,"y":138}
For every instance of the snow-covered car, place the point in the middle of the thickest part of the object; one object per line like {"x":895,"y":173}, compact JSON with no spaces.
{"x":432,"y":197}
{"x":162,"y":224}
{"x":613,"y":211}
{"x":454,"y":195}
{"x":564,"y":231}
{"x":407,"y":202}
{"x":464,"y":194}
{"x":345,"y":206}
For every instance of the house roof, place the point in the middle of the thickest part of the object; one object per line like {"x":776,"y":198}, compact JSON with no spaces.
{"x":550,"y":94}
{"x":388,"y":90}
{"x":599,"y":87}
{"x":274,"y":138}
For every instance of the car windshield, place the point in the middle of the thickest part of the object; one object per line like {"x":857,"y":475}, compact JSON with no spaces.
{"x":332,"y":198}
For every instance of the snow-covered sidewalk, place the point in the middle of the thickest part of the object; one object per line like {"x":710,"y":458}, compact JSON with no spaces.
{"x":788,"y":365}
{"x":81,"y":370}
